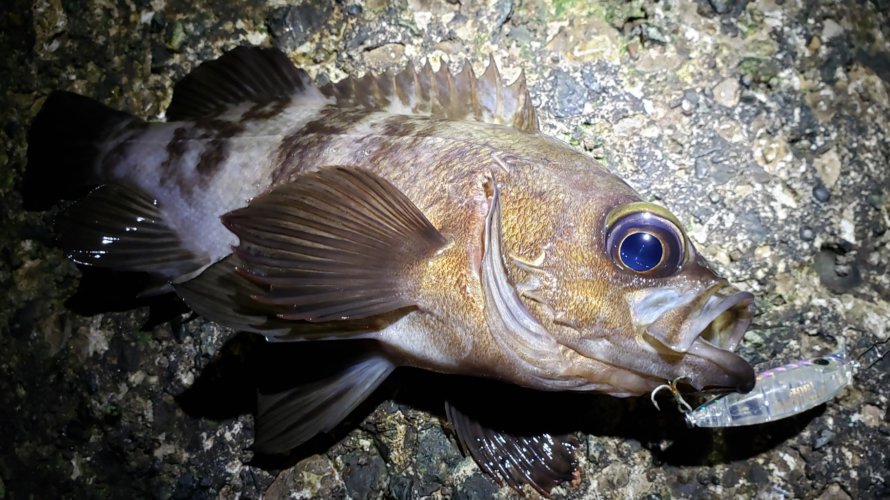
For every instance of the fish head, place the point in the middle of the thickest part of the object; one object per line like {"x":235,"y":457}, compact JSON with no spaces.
{"x":621,"y":286}
{"x":673,"y":298}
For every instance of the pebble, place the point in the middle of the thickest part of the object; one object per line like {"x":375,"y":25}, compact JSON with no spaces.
{"x":807,"y":234}
{"x":872,"y":416}
{"x":823,"y":438}
{"x":722,"y":6}
{"x":875,"y":200}
{"x":652,"y":33}
{"x":689,"y":102}
{"x":726,"y":93}
{"x":828,"y":167}
{"x":291,"y":26}
{"x":821,"y":193}
{"x":831,"y":29}
{"x":569,"y":97}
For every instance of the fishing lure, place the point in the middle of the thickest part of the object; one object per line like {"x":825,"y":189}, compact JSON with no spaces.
{"x":778,"y":393}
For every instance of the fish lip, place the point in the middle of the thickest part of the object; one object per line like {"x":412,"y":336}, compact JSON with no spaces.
{"x":734,"y":374}
{"x":720,"y":315}
{"x":715,"y":323}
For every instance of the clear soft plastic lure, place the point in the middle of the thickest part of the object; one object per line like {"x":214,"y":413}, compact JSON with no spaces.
{"x":779,"y":393}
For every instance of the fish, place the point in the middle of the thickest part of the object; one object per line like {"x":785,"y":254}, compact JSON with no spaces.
{"x":421,"y":212}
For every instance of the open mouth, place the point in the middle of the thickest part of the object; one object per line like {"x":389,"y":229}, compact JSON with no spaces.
{"x":707,"y":326}
{"x":721,"y":324}
{"x":723,"y":318}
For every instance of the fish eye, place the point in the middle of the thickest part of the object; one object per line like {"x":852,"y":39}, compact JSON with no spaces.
{"x":645,"y":239}
{"x":821,"y":361}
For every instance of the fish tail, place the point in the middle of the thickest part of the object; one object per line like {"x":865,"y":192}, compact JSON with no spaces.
{"x":113,"y":226}
{"x":64,"y":145}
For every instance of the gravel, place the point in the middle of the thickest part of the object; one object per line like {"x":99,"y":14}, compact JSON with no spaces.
{"x":763,"y":125}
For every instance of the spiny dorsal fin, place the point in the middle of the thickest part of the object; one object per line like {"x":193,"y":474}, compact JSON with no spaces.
{"x":260,"y":75}
{"x":244,"y":74}
{"x":463,"y":96}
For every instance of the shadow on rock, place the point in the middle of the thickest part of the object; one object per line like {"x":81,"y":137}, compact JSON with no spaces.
{"x":716,"y":446}
{"x":247,"y":364}
{"x":101,"y":291}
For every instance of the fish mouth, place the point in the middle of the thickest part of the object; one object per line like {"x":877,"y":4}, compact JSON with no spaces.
{"x":707,"y":327}
{"x":718,"y":329}
{"x":723,"y":318}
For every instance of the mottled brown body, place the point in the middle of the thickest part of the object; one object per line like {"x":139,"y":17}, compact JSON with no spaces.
{"x":541,"y":180}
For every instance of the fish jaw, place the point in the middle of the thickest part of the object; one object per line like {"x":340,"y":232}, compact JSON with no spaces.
{"x":703,"y":328}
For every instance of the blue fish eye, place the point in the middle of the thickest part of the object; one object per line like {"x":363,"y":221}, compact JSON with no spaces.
{"x":646,"y":243}
{"x":641,"y":251}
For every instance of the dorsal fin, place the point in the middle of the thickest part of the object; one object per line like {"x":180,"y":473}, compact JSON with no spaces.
{"x":463,"y":96}
{"x":261,"y":75}
{"x":243,"y":74}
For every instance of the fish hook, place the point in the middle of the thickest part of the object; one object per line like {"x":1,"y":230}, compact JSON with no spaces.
{"x":672,"y":387}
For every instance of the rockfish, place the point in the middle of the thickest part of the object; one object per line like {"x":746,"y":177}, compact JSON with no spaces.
{"x":421,"y":211}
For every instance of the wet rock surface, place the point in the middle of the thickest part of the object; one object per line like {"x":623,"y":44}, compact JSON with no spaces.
{"x":763,"y":125}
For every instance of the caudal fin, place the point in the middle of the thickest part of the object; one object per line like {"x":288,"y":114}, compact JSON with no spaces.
{"x":113,"y":227}
{"x":63,"y":148}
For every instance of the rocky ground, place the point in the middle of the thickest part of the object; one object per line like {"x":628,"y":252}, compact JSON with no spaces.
{"x":763,"y":125}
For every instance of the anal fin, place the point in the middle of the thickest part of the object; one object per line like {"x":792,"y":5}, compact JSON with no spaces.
{"x":122,"y":229}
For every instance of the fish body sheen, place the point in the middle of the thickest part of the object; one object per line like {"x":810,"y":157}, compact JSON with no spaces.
{"x":428,"y":214}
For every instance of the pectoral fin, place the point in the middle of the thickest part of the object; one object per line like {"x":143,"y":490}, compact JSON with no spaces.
{"x":224,"y":296}
{"x":541,"y":461}
{"x":337,"y":244}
